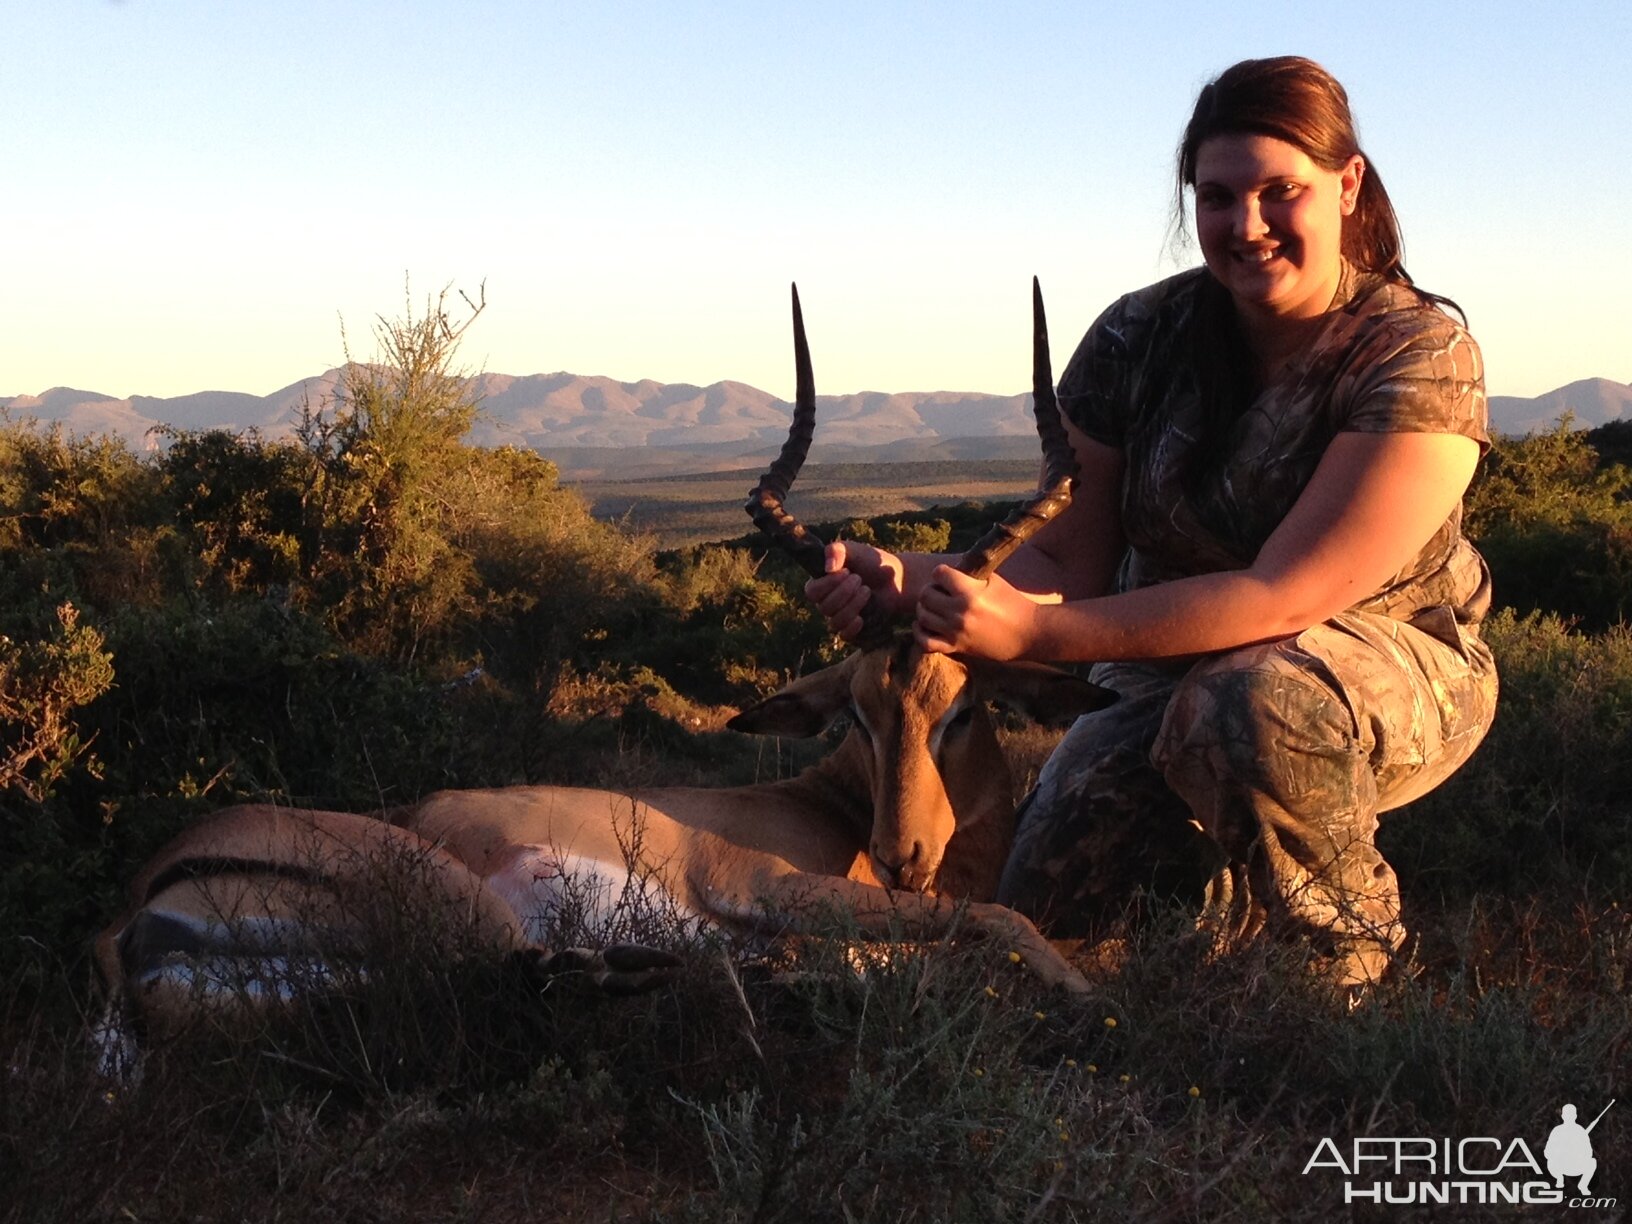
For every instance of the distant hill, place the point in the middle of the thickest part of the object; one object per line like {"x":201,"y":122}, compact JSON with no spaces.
{"x":92,"y":412}
{"x":599,"y":425}
{"x":597,"y":419}
{"x":1592,"y":401}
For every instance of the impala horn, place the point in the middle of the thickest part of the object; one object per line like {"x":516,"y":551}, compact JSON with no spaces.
{"x":765,"y":499}
{"x":1059,"y":479}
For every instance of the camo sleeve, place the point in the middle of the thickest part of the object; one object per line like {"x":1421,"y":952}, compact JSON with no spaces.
{"x":1420,"y":372}
{"x":1093,"y":391}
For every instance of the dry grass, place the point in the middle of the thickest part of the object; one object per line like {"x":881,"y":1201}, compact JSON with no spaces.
{"x":939,"y":1084}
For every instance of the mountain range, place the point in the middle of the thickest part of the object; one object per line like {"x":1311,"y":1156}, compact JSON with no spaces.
{"x":590,"y":424}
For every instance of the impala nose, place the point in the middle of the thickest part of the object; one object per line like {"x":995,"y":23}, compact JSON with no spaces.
{"x":897,"y":871}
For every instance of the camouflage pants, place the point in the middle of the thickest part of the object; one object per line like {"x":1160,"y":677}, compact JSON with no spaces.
{"x":1250,"y":783}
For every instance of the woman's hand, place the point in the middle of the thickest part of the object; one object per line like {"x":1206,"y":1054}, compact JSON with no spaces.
{"x":854,"y":572}
{"x":983,"y":617}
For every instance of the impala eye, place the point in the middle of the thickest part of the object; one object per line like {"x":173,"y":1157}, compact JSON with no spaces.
{"x":961,"y":720}
{"x":855,"y":721}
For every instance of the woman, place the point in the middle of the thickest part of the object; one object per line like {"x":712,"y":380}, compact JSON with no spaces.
{"x":1264,"y":556}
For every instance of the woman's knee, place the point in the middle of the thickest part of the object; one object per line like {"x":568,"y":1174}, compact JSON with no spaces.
{"x":1258,"y":717}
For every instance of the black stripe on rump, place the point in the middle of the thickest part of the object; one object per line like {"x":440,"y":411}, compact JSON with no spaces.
{"x":206,"y":868}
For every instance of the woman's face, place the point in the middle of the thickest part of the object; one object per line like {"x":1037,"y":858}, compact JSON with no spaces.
{"x":1270,"y":224}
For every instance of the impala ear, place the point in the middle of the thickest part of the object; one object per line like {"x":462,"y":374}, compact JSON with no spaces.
{"x":801,"y":709}
{"x":1046,"y":695}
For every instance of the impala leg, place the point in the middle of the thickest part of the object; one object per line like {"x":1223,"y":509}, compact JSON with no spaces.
{"x":118,"y":1054}
{"x":618,"y":969}
{"x":791,"y":904}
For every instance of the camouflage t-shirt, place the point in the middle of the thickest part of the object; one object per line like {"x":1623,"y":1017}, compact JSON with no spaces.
{"x":1384,"y":362}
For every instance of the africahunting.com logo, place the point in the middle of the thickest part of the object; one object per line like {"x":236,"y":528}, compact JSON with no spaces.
{"x":1421,"y":1169}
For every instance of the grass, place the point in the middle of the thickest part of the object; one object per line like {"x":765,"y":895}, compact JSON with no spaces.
{"x":939,"y":1083}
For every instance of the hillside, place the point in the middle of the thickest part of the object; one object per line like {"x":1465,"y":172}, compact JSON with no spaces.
{"x":599,"y":426}
{"x":1591,"y":401}
{"x":555,"y":413}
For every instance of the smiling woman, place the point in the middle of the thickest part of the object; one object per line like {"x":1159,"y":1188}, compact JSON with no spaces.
{"x":1270,"y":223}
{"x":1264,"y":557}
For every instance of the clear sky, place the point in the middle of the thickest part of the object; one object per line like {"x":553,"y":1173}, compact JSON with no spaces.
{"x":196,"y":192}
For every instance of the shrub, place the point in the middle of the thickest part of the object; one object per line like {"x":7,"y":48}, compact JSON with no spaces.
{"x":386,"y":572}
{"x":1543,"y":803}
{"x":1556,"y":527}
{"x":243,"y":502}
{"x":84,"y":518}
{"x":52,"y":883}
{"x":42,"y":684}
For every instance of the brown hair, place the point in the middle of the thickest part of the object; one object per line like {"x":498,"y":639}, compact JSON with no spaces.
{"x":1296,"y":100}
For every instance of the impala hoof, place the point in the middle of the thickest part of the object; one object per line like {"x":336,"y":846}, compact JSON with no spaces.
{"x":628,"y":958}
{"x":619,"y":969}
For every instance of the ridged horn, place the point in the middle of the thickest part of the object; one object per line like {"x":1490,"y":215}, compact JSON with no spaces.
{"x":765,"y":500}
{"x":1059,"y":463}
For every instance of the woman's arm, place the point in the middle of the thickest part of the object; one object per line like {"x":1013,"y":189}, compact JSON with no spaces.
{"x":1372,"y":503}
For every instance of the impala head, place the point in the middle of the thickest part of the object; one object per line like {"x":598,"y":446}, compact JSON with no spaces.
{"x":934,"y":800}
{"x":942,"y":812}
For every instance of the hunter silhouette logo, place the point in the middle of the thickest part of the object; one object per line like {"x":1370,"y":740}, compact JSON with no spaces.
{"x":1569,"y":1148}
{"x":1424,"y":1169}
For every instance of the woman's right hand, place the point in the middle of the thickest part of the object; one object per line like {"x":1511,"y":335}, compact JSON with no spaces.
{"x":854,"y":571}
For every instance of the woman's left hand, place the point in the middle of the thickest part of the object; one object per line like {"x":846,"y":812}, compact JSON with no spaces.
{"x":983,"y":617}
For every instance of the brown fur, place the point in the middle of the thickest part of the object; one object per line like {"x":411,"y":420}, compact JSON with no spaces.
{"x":918,"y":795}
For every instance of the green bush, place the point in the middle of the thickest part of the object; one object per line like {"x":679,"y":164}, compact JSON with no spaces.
{"x":42,"y":684}
{"x":81,"y":519}
{"x":1555,"y":524}
{"x":246,"y":506}
{"x":1544,"y":803}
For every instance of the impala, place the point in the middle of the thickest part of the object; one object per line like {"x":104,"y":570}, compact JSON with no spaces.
{"x":905,"y":826}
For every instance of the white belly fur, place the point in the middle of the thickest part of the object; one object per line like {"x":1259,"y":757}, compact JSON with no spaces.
{"x":555,"y":892}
